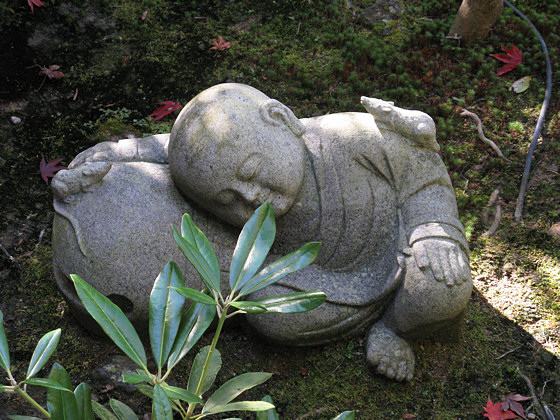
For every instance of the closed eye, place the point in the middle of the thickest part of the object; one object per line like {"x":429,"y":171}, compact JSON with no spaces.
{"x":250,"y":167}
{"x":225,"y":198}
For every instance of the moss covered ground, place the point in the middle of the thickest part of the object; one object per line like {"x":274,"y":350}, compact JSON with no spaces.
{"x":119,"y":58}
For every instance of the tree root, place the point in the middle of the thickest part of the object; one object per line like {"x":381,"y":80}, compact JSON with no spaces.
{"x":492,"y":228}
{"x":543,"y":410}
{"x":485,"y":139}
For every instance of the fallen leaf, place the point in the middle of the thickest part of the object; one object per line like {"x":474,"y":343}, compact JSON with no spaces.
{"x":107,"y":388}
{"x":167,"y":108}
{"x":511,"y":402}
{"x":408,"y":416}
{"x":494,"y":411}
{"x":48,"y":170}
{"x":37,"y":3}
{"x":303,"y":371}
{"x":219,"y":44}
{"x":512,"y":58}
{"x":144,"y":15}
{"x":521,"y":85}
{"x":52,"y":72}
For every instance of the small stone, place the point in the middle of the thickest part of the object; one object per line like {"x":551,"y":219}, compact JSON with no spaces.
{"x":508,"y":267}
{"x":110,"y":372}
{"x":15,"y":120}
{"x":554,"y":231}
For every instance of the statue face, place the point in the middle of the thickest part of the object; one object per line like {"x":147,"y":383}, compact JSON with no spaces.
{"x":233,"y":148}
{"x":232,"y":182}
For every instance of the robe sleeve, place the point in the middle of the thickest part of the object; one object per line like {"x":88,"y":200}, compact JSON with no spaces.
{"x":427,"y":203}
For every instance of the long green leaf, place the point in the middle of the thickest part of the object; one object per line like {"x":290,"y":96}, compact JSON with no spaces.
{"x":195,"y":295}
{"x":47,"y":383}
{"x":347,"y":415}
{"x":232,"y":388}
{"x":292,"y":303}
{"x":16,"y":417}
{"x":175,"y":393}
{"x":252,"y":247}
{"x":240,"y":406}
{"x":136,"y":378}
{"x":146,"y":389}
{"x":123,"y":411}
{"x":268,"y":414}
{"x":193,"y":234}
{"x":161,"y":408}
{"x":198,"y":250}
{"x":83,"y":399}
{"x":102,"y":412}
{"x":282,"y":267}
{"x":166,"y":310}
{"x":198,"y":366}
{"x":249,"y":307}
{"x":112,"y":320}
{"x":44,"y":350}
{"x":193,"y":325}
{"x":4,"y":349}
{"x":61,"y":405}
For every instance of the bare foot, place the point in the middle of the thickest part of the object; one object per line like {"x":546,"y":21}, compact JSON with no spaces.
{"x":390,"y":353}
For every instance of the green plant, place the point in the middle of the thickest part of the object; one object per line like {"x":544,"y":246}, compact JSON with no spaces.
{"x":174,"y":332}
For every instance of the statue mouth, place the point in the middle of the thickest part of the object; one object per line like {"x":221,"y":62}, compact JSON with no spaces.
{"x":262,"y":197}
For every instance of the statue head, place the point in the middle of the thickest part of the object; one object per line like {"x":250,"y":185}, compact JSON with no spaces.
{"x":232,"y":148}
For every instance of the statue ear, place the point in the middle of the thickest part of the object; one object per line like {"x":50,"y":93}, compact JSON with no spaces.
{"x":276,"y":113}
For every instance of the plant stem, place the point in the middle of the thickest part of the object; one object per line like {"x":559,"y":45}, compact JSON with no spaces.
{"x":222,"y":319}
{"x":31,"y":401}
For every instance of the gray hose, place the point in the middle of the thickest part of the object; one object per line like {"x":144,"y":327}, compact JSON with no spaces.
{"x":540,"y":121}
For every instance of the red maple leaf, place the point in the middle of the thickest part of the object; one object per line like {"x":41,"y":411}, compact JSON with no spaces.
{"x":511,"y":402}
{"x":37,"y":3}
{"x":512,"y":58}
{"x":47,"y":170}
{"x":494,"y":411}
{"x":167,"y":108}
{"x":219,"y":44}
{"x":52,"y":71}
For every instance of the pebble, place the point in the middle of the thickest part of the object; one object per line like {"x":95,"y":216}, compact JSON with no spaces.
{"x":554,"y":232}
{"x":15,"y":120}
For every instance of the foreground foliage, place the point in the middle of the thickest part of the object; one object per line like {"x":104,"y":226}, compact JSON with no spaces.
{"x":173,"y":332}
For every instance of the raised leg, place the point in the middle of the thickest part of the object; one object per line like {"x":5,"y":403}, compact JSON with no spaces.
{"x":421,"y":307}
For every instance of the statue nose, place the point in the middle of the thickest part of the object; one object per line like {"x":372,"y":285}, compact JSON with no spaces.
{"x":249,"y":192}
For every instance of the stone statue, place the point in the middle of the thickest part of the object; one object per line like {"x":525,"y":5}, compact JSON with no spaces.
{"x":369,"y":186}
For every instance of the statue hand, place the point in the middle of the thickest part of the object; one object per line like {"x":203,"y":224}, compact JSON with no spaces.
{"x":101,"y":152}
{"x":66,"y":184}
{"x":445,"y":258}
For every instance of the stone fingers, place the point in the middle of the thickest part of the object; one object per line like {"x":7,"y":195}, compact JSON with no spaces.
{"x":438,"y":262}
{"x":464,"y":266}
{"x":421,"y":256}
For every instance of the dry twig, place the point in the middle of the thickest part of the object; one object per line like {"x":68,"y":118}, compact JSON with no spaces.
{"x":542,"y":412}
{"x":497,"y":214}
{"x":507,"y":352}
{"x":485,"y":139}
{"x":7,"y":254}
{"x":312,"y":413}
